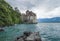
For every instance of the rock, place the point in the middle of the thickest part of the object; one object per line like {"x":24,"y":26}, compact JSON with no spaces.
{"x":29,"y":36}
{"x":1,"y":29}
{"x":27,"y":33}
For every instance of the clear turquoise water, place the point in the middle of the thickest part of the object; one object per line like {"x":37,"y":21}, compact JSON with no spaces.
{"x":48,"y":31}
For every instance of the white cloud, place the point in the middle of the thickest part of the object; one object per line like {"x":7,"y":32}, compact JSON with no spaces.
{"x":55,"y":12}
{"x":43,"y":13}
{"x":42,"y":8}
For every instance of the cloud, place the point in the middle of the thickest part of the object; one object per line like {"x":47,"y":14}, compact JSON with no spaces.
{"x":55,"y":12}
{"x":42,"y":8}
{"x":43,"y":13}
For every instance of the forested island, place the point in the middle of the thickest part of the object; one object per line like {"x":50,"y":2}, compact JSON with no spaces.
{"x":8,"y":16}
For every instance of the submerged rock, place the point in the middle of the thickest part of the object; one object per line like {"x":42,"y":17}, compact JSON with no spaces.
{"x":1,"y":29}
{"x":29,"y":36}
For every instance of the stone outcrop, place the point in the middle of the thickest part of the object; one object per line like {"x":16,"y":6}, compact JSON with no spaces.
{"x":29,"y":36}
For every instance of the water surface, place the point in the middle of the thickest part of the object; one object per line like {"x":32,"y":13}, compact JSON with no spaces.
{"x":48,"y":31}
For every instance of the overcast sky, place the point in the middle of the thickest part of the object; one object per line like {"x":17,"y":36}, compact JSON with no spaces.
{"x":42,"y":8}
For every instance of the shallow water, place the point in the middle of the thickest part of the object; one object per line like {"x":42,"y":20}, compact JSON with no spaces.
{"x":48,"y":31}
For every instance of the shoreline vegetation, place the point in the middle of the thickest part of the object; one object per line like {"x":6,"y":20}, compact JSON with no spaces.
{"x":8,"y":15}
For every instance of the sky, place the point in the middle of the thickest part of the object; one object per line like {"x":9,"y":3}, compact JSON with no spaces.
{"x":42,"y":8}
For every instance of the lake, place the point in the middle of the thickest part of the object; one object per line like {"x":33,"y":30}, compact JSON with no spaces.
{"x":48,"y":31}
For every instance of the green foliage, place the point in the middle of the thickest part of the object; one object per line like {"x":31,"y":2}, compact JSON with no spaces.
{"x":7,"y":15}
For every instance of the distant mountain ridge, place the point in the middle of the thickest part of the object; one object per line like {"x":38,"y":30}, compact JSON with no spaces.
{"x":48,"y":20}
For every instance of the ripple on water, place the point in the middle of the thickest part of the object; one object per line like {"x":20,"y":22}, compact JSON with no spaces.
{"x":48,"y":31}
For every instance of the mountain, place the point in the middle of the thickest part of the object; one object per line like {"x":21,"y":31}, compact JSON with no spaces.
{"x":48,"y":20}
{"x":8,"y":16}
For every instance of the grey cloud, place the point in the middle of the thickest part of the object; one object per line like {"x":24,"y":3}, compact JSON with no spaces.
{"x":45,"y":6}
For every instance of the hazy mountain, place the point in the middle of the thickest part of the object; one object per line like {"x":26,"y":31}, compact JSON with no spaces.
{"x":55,"y":19}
